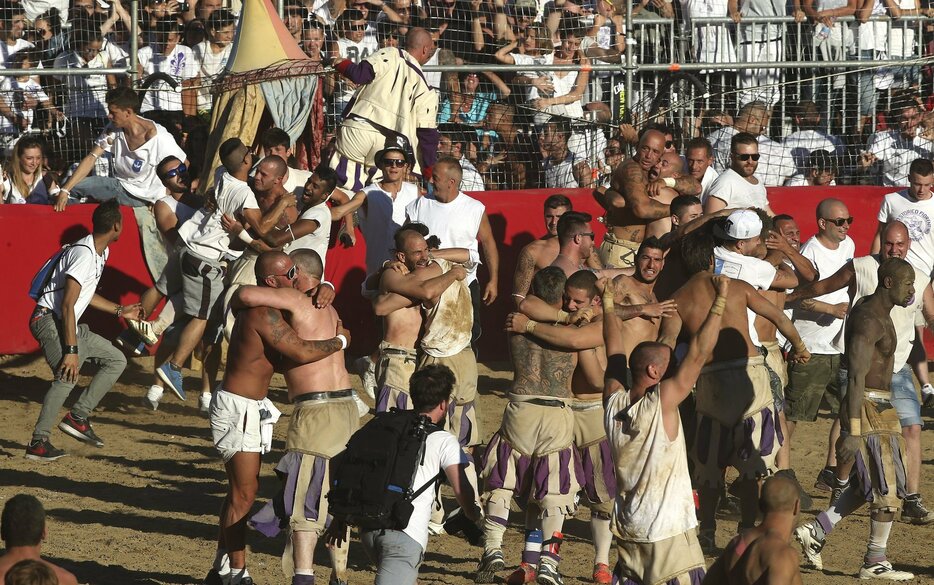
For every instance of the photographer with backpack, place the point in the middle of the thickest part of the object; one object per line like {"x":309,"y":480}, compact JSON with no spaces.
{"x":394,"y":528}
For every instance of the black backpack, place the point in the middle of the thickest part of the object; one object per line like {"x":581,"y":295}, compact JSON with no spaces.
{"x":371,"y":481}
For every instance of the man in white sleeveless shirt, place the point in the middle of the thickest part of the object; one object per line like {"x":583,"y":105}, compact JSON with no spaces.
{"x":654,"y":519}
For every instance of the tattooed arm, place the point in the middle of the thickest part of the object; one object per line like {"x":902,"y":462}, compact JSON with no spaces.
{"x":522,"y":279}
{"x":279,"y":336}
{"x":636,"y":197}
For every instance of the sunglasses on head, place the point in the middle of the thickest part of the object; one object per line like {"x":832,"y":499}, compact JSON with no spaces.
{"x":840,"y":221}
{"x":179,"y":170}
{"x":393,"y":162}
{"x":290,"y":274}
{"x":745,"y":157}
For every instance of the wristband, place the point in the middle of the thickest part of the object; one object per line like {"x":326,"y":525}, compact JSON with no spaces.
{"x":288,"y":228}
{"x":64,"y":190}
{"x":855,"y":427}
{"x":669,"y":182}
{"x":71,"y":350}
{"x":562,"y":317}
{"x":325,"y":282}
{"x":244,"y":237}
{"x":118,"y":310}
{"x":718,"y":306}
{"x":343,"y":340}
{"x":608,"y":302}
{"x":530,"y":326}
{"x":95,"y":155}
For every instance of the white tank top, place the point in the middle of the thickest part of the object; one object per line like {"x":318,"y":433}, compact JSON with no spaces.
{"x":654,"y":499}
{"x":903,"y":318}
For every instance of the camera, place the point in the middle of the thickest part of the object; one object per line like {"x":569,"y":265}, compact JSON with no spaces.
{"x":459,"y":524}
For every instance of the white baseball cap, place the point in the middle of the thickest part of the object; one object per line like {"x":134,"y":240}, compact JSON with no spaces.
{"x":742,"y":224}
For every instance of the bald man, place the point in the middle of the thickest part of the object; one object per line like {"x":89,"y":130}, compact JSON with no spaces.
{"x":630,"y":201}
{"x":670,"y":166}
{"x":393,"y":105}
{"x":820,"y":321}
{"x":764,"y":554}
{"x":859,"y":278}
{"x":654,"y":517}
{"x":239,"y":405}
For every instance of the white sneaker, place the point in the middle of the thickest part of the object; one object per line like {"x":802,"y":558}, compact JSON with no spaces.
{"x":153,"y":396}
{"x":885,"y":571}
{"x":435,"y":528}
{"x":927,"y":396}
{"x":144,"y":330}
{"x":362,"y":408}
{"x":811,"y":545}
{"x":366,"y":369}
{"x":204,"y":403}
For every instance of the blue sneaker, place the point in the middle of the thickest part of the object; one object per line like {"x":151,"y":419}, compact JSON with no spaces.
{"x":132,"y":343}
{"x":172,"y":376}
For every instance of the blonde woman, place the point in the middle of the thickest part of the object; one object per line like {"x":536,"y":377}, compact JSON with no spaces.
{"x":25,"y":181}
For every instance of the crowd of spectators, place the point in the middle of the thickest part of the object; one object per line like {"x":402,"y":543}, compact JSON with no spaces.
{"x":533,"y":128}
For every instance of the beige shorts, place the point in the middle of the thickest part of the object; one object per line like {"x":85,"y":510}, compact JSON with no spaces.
{"x":463,"y":420}
{"x":673,"y":561}
{"x":776,"y":361}
{"x":617,"y":253}
{"x":395,"y":366}
{"x":880,"y":464}
{"x":235,"y":423}
{"x":532,"y":458}
{"x":736,"y":423}
{"x":354,"y":158}
{"x":593,"y":448}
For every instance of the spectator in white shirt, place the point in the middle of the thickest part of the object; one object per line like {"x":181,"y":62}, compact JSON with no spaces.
{"x":738,"y":187}
{"x":889,"y":153}
{"x":820,"y":170}
{"x":213,"y":53}
{"x":563,"y":169}
{"x":454,"y":143}
{"x":167,"y":55}
{"x":14,"y":26}
{"x":26,"y":181}
{"x":809,"y":137}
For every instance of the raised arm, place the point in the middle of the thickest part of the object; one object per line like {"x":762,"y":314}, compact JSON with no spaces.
{"x":843,"y":277}
{"x":764,"y":308}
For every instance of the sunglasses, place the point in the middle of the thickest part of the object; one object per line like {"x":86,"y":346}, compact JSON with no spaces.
{"x":179,"y":170}
{"x":394,"y":162}
{"x":745,"y":157}
{"x":41,"y":31}
{"x":610,"y":151}
{"x":840,"y":221}
{"x":356,"y":27}
{"x":290,"y":274}
{"x":590,"y":234}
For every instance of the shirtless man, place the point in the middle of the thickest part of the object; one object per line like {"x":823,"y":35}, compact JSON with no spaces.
{"x":871,"y":436}
{"x":654,"y":517}
{"x":764,"y":554}
{"x":669,"y":166}
{"x":23,"y":529}
{"x":399,"y":302}
{"x":324,"y":418}
{"x":629,"y":201}
{"x":259,"y":336}
{"x":535,"y":439}
{"x":859,"y":276}
{"x":733,"y":392}
{"x":543,"y":251}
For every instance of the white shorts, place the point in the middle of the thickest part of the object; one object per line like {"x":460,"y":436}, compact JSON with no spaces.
{"x":235,"y":424}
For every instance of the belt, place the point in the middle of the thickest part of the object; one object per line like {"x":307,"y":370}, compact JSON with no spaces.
{"x":878,"y":396}
{"x":393,"y":351}
{"x":309,"y":396}
{"x":545,"y":402}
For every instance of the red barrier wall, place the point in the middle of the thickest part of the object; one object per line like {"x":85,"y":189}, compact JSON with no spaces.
{"x":32,"y":233}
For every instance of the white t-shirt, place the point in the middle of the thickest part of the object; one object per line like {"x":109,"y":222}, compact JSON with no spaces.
{"x":16,"y":91}
{"x":85,"y":92}
{"x":560,"y":174}
{"x":800,"y":180}
{"x":470,"y":177}
{"x":318,"y":239}
{"x":136,"y":169}
{"x":721,"y":140}
{"x":737,"y":192}
{"x":203,"y":233}
{"x":379,"y":219}
{"x":803,"y":142}
{"x":210,"y":65}
{"x":710,"y":175}
{"x":356,"y":52}
{"x":295,"y":182}
{"x":456,"y":223}
{"x":757,"y":273}
{"x":38,"y":192}
{"x":82,"y":263}
{"x":775,"y":164}
{"x":897,"y":153}
{"x":917,"y":217}
{"x":181,"y":64}
{"x":7,"y":51}
{"x":441,"y":451}
{"x":816,"y":329}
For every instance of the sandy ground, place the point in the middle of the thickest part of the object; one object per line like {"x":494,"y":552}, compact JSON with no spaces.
{"x":144,"y":508}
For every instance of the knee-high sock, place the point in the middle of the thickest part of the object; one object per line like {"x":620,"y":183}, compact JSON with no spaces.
{"x":848,"y":501}
{"x":494,"y":523}
{"x":602,"y":539}
{"x":878,"y":540}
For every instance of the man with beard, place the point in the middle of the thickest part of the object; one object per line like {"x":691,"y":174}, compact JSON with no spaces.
{"x":531,"y":458}
{"x":858,"y":276}
{"x":738,"y":186}
{"x":630,"y":204}
{"x":400,"y":302}
{"x":542,"y":252}
{"x":872,"y":440}
{"x":733,"y":393}
{"x":237,"y":405}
